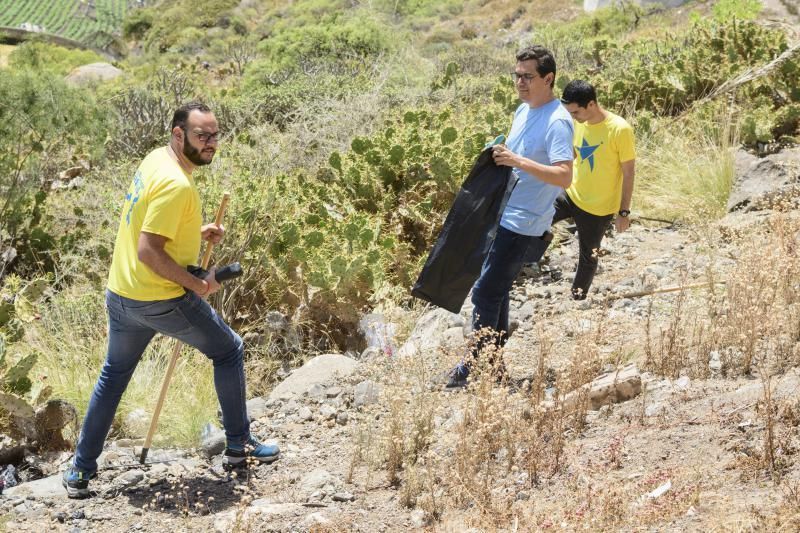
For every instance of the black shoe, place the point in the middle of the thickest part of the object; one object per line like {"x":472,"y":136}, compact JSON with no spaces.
{"x":77,"y":483}
{"x":458,"y":377}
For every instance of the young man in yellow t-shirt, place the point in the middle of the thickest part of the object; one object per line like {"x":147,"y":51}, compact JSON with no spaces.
{"x":602,"y":181}
{"x":150,"y":291}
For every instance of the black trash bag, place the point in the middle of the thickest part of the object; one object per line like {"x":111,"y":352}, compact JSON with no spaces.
{"x":455,"y":261}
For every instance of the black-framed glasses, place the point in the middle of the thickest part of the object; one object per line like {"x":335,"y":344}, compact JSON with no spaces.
{"x":516,"y":76}
{"x":204,"y":137}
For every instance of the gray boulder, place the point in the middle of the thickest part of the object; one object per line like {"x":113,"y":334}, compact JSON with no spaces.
{"x":615,"y":387}
{"x":92,"y":73}
{"x":316,"y":371}
{"x":45,"y":488}
{"x":318,"y":479}
{"x":762,"y":182}
{"x":212,"y":440}
{"x":256,"y":408}
{"x":428,"y":333}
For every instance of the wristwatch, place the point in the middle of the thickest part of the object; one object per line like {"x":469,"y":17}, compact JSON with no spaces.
{"x":624,"y":212}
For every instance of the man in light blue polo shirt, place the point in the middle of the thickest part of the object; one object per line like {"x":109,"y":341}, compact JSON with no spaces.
{"x":539,"y":148}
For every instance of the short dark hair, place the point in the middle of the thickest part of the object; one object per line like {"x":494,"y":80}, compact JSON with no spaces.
{"x":182,"y":114}
{"x":545,"y":62}
{"x":579,"y":92}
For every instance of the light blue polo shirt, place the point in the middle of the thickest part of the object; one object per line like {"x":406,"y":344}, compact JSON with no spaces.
{"x":542,"y":134}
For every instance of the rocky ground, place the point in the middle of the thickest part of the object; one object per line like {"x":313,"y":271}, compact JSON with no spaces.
{"x":653,"y":450}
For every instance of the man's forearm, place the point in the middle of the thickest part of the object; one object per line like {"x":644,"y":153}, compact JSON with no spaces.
{"x":559,"y":174}
{"x":162,"y":264}
{"x":627,"y":184}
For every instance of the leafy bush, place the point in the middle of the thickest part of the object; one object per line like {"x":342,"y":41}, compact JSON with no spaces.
{"x":274,"y":97}
{"x":667,"y":75}
{"x":43,"y":124}
{"x":18,"y":393}
{"x":138,"y":22}
{"x":335,"y":37}
{"x":53,"y":59}
{"x":724,"y":10}
{"x":175,"y":18}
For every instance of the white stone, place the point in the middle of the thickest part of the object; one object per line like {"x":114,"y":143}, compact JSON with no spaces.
{"x":317,"y":479}
{"x":131,"y":477}
{"x":611,"y":388}
{"x":428,"y":332}
{"x":92,"y":73}
{"x":48,"y":487}
{"x":318,"y":370}
{"x":366,"y":393}
{"x":418,"y":518}
{"x":327,"y":412}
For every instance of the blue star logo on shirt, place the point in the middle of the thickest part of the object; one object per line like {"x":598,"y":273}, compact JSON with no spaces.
{"x":133,"y":196}
{"x":587,"y":152}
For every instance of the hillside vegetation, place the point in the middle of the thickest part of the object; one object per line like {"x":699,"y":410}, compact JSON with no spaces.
{"x":348,"y":127}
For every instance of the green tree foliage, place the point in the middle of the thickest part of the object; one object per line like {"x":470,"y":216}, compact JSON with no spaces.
{"x":42,"y":123}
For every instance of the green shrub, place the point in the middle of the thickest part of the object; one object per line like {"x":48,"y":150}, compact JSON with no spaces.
{"x":761,"y":124}
{"x":43,"y":57}
{"x":725,"y":10}
{"x":666,"y":75}
{"x":174,"y":18}
{"x":335,"y":37}
{"x":43,"y":125}
{"x":138,"y":22}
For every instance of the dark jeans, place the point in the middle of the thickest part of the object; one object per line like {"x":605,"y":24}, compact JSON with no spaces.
{"x":132,"y":324}
{"x":490,"y":294}
{"x":590,"y":234}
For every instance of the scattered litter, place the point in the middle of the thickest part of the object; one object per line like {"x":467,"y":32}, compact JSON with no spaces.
{"x":660,"y":491}
{"x":8,"y":478}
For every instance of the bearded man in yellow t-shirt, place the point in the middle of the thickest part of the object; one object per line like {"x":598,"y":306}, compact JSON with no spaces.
{"x":602,"y":180}
{"x":150,"y":291}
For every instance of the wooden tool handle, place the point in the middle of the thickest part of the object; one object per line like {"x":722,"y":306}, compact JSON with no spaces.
{"x":220,"y":213}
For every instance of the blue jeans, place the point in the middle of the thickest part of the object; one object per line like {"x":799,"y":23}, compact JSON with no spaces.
{"x":490,"y":292}
{"x":132,"y":324}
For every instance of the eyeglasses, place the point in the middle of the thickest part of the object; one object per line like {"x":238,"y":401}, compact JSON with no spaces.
{"x":516,"y":76}
{"x":205,"y":137}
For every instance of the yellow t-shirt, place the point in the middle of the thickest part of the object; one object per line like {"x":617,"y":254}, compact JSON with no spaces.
{"x":162,"y":199}
{"x":597,"y":174}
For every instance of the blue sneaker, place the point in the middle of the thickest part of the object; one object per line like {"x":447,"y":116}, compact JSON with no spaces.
{"x":76,"y":482}
{"x":458,"y":377}
{"x":237,"y":454}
